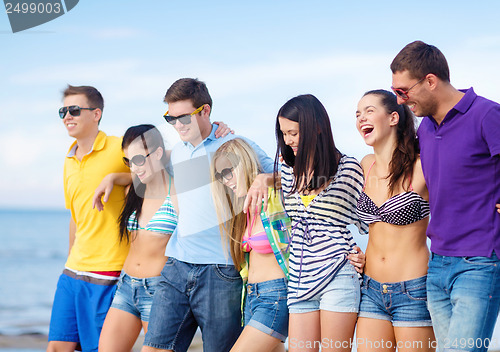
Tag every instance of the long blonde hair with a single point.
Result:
(229, 208)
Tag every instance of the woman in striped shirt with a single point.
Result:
(321, 188)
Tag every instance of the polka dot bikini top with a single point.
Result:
(402, 209)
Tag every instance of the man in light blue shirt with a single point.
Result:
(200, 286)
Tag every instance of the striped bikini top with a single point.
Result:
(402, 209)
(163, 222)
(258, 241)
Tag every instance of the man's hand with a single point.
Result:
(223, 129)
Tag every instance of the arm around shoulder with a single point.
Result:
(104, 189)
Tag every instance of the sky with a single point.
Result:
(253, 56)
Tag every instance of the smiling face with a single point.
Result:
(152, 163)
(290, 130)
(373, 121)
(85, 125)
(199, 128)
(236, 181)
(420, 101)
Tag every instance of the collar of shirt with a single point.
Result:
(211, 137)
(99, 142)
(461, 107)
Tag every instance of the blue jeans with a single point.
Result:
(192, 295)
(463, 296)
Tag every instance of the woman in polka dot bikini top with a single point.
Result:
(394, 203)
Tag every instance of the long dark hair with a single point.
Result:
(407, 148)
(316, 150)
(151, 139)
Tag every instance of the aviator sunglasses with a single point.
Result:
(403, 94)
(137, 160)
(74, 110)
(184, 119)
(226, 173)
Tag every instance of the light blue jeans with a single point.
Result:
(463, 295)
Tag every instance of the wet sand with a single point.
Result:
(38, 342)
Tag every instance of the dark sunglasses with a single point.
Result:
(184, 119)
(74, 110)
(137, 160)
(403, 94)
(224, 174)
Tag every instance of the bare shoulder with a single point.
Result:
(418, 180)
(366, 162)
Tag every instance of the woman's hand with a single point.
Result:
(102, 192)
(358, 259)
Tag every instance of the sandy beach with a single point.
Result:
(38, 342)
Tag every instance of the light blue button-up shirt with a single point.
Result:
(197, 238)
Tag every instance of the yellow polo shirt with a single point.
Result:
(97, 246)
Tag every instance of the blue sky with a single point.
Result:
(253, 56)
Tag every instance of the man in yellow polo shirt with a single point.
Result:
(87, 285)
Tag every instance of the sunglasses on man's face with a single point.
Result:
(74, 110)
(137, 160)
(184, 119)
(226, 173)
(403, 93)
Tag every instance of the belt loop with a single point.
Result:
(403, 287)
(367, 281)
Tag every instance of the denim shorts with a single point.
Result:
(266, 309)
(135, 295)
(79, 309)
(404, 303)
(340, 295)
(191, 296)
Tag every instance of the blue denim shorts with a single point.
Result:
(402, 303)
(340, 295)
(191, 295)
(135, 295)
(266, 309)
(79, 309)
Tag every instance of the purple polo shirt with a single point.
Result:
(461, 164)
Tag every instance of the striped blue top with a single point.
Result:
(320, 238)
(164, 221)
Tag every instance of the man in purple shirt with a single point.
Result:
(460, 146)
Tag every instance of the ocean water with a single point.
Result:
(33, 250)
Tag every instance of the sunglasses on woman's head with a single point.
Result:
(74, 110)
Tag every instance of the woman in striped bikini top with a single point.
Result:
(394, 202)
(147, 220)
